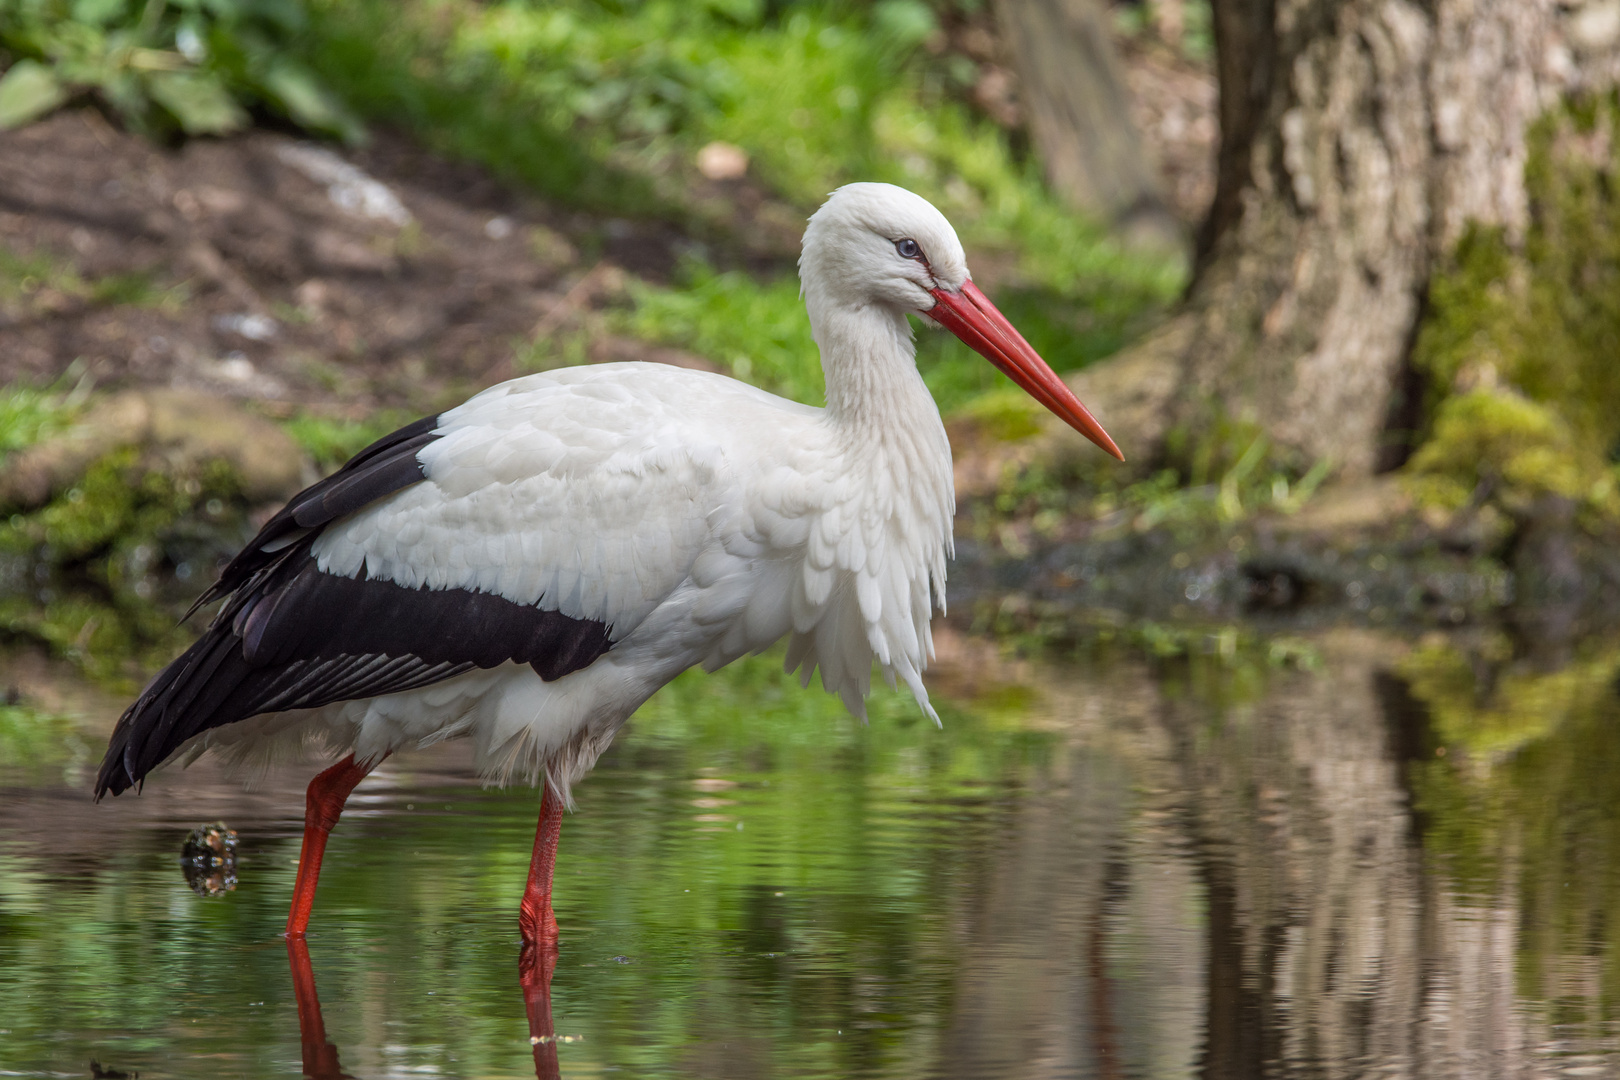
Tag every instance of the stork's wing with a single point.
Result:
(537, 524)
(588, 492)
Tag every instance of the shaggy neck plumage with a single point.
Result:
(885, 418)
(874, 391)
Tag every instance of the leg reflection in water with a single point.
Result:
(320, 1056)
(535, 965)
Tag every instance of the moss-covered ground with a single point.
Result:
(99, 573)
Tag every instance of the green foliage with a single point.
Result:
(593, 102)
(758, 331)
(1518, 797)
(1499, 444)
(192, 65)
(1520, 342)
(35, 739)
(98, 557)
(29, 413)
(401, 61)
(1007, 415)
(635, 74)
(330, 442)
(1253, 484)
(856, 110)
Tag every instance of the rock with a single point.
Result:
(183, 430)
(722, 161)
(1596, 27)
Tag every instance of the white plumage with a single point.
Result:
(700, 518)
(686, 516)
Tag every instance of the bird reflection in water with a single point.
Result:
(535, 966)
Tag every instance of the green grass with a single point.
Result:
(406, 64)
(603, 105)
(758, 331)
(38, 282)
(31, 413)
(35, 740)
(330, 442)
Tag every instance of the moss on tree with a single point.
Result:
(1521, 344)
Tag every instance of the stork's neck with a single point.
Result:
(874, 392)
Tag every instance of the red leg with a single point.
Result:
(535, 965)
(320, 1056)
(322, 805)
(535, 919)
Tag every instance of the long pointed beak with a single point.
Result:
(972, 317)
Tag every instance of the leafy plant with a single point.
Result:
(30, 413)
(597, 103)
(758, 331)
(627, 78)
(330, 442)
(195, 65)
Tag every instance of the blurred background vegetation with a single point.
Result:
(604, 106)
(614, 110)
(651, 165)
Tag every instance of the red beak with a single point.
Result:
(972, 317)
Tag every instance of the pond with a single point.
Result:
(1382, 857)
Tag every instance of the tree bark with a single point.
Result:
(1359, 139)
(1079, 113)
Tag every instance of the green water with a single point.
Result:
(1109, 869)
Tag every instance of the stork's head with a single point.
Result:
(877, 244)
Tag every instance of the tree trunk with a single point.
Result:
(1079, 113)
(1359, 139)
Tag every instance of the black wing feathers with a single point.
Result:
(386, 466)
(293, 637)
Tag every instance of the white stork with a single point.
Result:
(527, 568)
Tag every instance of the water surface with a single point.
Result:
(1393, 859)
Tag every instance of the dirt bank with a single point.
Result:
(271, 269)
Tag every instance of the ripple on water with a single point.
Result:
(1250, 878)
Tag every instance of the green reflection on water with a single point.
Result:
(1137, 862)
(1522, 797)
(753, 879)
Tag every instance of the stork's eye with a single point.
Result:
(908, 249)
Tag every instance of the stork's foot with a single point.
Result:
(538, 925)
(535, 919)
